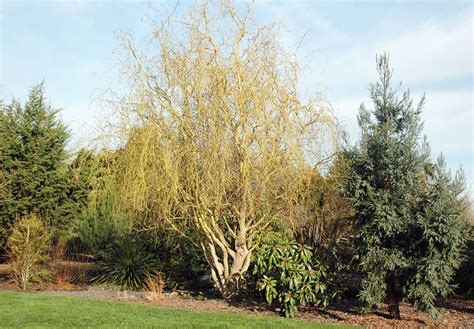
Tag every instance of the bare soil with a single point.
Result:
(455, 313)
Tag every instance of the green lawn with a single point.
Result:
(19, 309)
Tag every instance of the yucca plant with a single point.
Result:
(125, 264)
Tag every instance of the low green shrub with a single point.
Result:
(42, 276)
(102, 222)
(287, 272)
(180, 260)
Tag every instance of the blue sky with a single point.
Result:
(71, 45)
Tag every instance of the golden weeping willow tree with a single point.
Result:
(217, 138)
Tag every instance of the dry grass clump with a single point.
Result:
(155, 284)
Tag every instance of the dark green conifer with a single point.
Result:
(33, 155)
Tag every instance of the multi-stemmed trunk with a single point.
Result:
(228, 262)
(230, 282)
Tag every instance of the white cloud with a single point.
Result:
(448, 119)
(433, 51)
(426, 53)
(299, 21)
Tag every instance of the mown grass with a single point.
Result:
(36, 310)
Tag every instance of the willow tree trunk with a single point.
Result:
(235, 280)
(227, 268)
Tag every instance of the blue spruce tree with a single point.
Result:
(410, 229)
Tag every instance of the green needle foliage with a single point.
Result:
(32, 155)
(408, 212)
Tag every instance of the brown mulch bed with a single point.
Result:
(455, 313)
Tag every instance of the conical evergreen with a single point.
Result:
(409, 217)
(33, 152)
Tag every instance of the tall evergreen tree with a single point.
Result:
(32, 161)
(9, 146)
(408, 213)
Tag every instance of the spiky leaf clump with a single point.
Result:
(125, 264)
